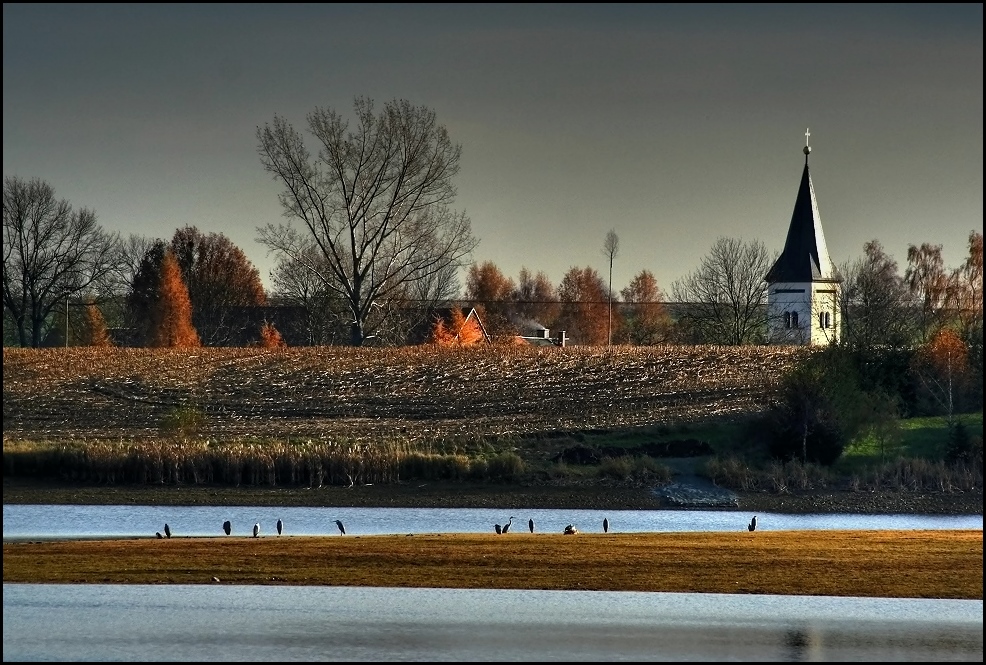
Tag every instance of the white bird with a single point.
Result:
(256, 530)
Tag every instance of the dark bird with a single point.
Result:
(256, 530)
(280, 527)
(498, 528)
(227, 527)
(570, 530)
(752, 526)
(158, 534)
(167, 531)
(605, 525)
(342, 529)
(530, 525)
(506, 526)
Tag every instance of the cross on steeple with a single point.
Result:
(807, 134)
(807, 147)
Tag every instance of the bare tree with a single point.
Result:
(724, 300)
(374, 200)
(611, 247)
(875, 302)
(50, 254)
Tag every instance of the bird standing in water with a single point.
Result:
(167, 531)
(605, 525)
(506, 526)
(342, 529)
(752, 526)
(227, 527)
(256, 530)
(530, 525)
(280, 526)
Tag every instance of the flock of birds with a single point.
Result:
(500, 529)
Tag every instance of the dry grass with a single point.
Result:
(891, 564)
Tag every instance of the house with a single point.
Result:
(533, 333)
(803, 284)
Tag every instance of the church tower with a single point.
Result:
(803, 285)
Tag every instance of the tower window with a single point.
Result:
(787, 319)
(794, 319)
(828, 321)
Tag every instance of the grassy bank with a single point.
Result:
(890, 564)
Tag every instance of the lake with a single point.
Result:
(90, 521)
(250, 623)
(270, 623)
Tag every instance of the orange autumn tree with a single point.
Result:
(95, 332)
(171, 313)
(458, 331)
(942, 368)
(270, 337)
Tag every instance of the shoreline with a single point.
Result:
(481, 495)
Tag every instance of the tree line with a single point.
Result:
(372, 246)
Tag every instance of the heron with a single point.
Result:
(530, 525)
(498, 528)
(280, 527)
(605, 525)
(227, 527)
(167, 531)
(256, 530)
(752, 526)
(507, 525)
(342, 529)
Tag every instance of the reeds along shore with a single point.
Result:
(891, 564)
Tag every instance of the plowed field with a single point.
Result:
(413, 393)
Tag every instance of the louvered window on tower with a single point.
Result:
(794, 319)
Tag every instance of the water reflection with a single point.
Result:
(195, 623)
(70, 521)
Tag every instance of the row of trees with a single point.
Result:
(371, 244)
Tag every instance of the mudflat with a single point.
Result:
(890, 564)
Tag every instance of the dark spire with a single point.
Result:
(805, 257)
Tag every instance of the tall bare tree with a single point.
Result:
(611, 247)
(375, 200)
(928, 282)
(51, 253)
(724, 300)
(875, 302)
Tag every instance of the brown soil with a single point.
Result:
(414, 394)
(891, 564)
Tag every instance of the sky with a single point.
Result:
(673, 125)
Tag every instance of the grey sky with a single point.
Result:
(671, 124)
